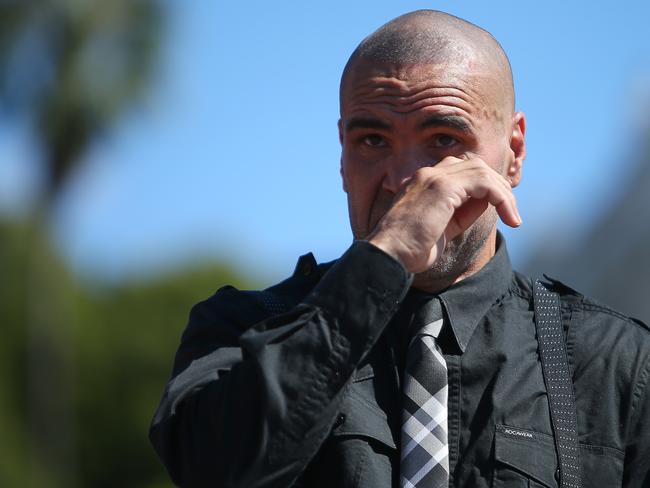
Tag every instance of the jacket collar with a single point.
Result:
(467, 301)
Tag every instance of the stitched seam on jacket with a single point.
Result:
(310, 400)
(641, 387)
(360, 468)
(599, 450)
(608, 311)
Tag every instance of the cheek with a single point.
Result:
(502, 161)
(495, 155)
(360, 192)
(363, 187)
(359, 177)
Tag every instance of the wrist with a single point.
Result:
(391, 248)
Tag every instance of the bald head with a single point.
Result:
(435, 38)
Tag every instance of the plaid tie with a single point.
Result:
(425, 451)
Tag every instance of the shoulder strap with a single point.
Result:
(559, 386)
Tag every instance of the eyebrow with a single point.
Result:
(365, 123)
(450, 121)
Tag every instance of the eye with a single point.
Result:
(373, 140)
(443, 140)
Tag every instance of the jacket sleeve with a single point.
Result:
(637, 453)
(250, 409)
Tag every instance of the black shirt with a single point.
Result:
(300, 384)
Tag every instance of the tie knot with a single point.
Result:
(428, 319)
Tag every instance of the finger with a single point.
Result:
(511, 204)
(486, 184)
(449, 161)
(507, 186)
(465, 216)
(473, 179)
(510, 198)
(472, 165)
(508, 216)
(513, 200)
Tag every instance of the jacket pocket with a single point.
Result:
(359, 417)
(523, 459)
(601, 466)
(361, 445)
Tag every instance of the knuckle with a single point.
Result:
(484, 169)
(483, 172)
(418, 174)
(426, 176)
(423, 172)
(450, 159)
(439, 181)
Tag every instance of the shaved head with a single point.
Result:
(424, 87)
(430, 37)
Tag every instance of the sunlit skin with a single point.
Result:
(430, 154)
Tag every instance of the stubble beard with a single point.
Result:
(460, 254)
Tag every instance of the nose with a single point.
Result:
(398, 171)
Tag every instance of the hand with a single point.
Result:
(437, 204)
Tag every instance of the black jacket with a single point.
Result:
(299, 385)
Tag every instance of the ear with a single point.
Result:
(345, 186)
(517, 148)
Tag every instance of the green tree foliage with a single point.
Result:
(13, 448)
(69, 68)
(122, 342)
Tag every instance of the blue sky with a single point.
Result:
(234, 153)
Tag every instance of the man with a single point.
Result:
(315, 382)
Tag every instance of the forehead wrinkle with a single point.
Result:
(410, 99)
(413, 93)
(476, 88)
(407, 97)
(453, 109)
(390, 104)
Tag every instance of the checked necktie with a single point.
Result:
(425, 450)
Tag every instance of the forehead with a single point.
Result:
(405, 88)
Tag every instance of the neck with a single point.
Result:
(430, 283)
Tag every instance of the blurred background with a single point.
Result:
(153, 151)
